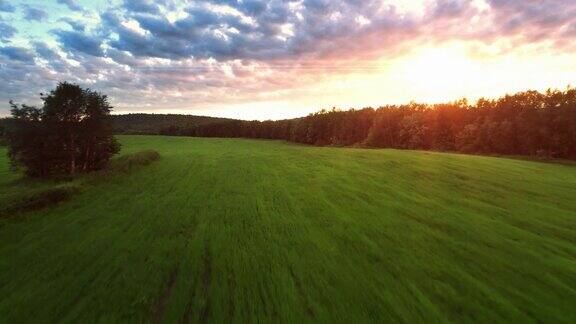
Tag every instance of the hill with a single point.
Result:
(151, 124)
(232, 230)
(157, 123)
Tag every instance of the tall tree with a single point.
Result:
(71, 133)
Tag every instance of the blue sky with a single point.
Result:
(55, 12)
(256, 59)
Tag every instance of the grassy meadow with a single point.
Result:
(231, 230)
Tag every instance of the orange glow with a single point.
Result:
(429, 74)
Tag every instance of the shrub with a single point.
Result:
(61, 193)
(128, 162)
(123, 165)
(40, 200)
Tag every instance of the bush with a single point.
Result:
(40, 200)
(61, 193)
(123, 165)
(128, 162)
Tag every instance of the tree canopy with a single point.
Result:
(71, 133)
(526, 123)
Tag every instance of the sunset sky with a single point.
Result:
(256, 59)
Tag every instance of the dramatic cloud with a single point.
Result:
(251, 30)
(190, 55)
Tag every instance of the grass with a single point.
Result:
(24, 195)
(41, 199)
(224, 230)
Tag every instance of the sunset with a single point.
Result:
(284, 59)
(288, 161)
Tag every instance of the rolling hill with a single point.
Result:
(150, 124)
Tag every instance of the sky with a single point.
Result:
(252, 59)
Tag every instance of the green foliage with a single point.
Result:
(528, 123)
(39, 200)
(124, 164)
(244, 231)
(69, 134)
(128, 162)
(141, 124)
(24, 195)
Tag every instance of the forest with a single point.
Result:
(150, 124)
(527, 123)
(530, 123)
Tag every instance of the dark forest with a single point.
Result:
(526, 123)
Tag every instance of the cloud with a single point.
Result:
(141, 6)
(71, 4)
(273, 30)
(6, 31)
(571, 30)
(76, 25)
(533, 18)
(45, 51)
(247, 30)
(34, 14)
(5, 6)
(177, 53)
(74, 41)
(17, 53)
(450, 8)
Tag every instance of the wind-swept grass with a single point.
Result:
(223, 230)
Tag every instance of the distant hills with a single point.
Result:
(154, 123)
(151, 124)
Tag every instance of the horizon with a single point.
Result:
(185, 113)
(255, 60)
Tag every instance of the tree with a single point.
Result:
(3, 122)
(413, 133)
(526, 123)
(71, 133)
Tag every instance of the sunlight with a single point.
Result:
(441, 72)
(453, 71)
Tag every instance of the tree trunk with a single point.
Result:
(87, 158)
(72, 155)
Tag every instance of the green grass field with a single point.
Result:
(224, 230)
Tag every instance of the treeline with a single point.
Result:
(135, 124)
(527, 123)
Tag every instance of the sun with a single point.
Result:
(441, 72)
